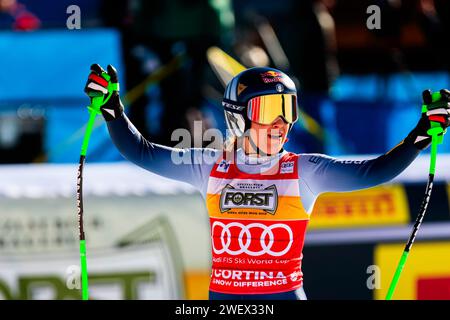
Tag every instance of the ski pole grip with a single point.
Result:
(436, 132)
(96, 104)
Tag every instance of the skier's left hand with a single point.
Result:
(437, 111)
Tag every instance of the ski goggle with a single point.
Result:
(265, 109)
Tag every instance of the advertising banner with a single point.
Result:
(134, 272)
(383, 205)
(426, 275)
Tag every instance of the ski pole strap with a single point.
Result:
(111, 88)
(94, 109)
(435, 102)
(436, 131)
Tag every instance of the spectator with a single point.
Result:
(434, 20)
(14, 15)
(305, 30)
(307, 34)
(163, 29)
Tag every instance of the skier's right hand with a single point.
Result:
(105, 84)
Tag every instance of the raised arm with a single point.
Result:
(322, 173)
(188, 165)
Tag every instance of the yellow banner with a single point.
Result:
(383, 205)
(425, 276)
(196, 283)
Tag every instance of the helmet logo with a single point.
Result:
(271, 76)
(231, 107)
(279, 87)
(241, 87)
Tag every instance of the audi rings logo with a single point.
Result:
(248, 236)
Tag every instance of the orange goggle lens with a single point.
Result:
(265, 109)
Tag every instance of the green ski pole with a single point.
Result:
(437, 134)
(94, 110)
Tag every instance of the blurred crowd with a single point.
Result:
(312, 40)
(14, 15)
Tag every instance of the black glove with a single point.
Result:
(99, 85)
(437, 111)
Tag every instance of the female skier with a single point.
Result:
(259, 196)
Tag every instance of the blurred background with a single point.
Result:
(359, 93)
